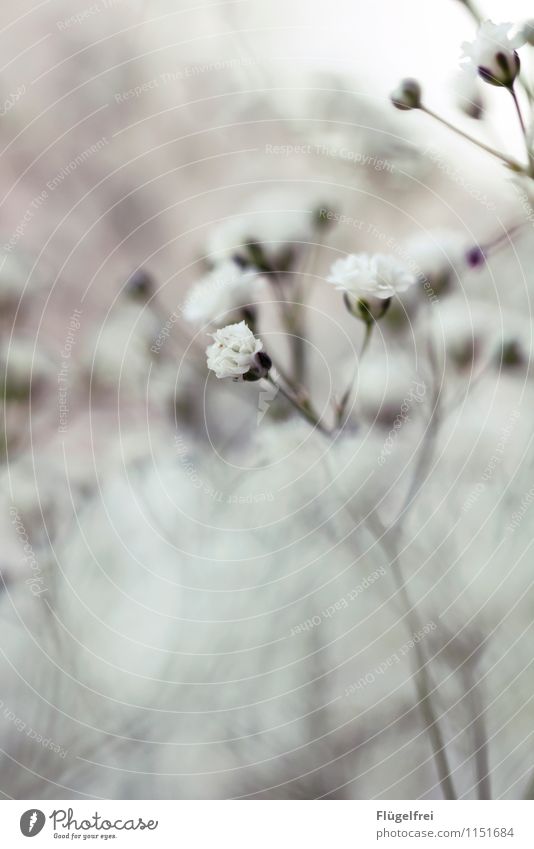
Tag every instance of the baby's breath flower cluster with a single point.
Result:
(493, 56)
(237, 353)
(369, 282)
(228, 288)
(249, 251)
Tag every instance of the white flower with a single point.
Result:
(228, 287)
(493, 53)
(234, 351)
(370, 276)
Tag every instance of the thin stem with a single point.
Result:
(295, 327)
(473, 9)
(423, 684)
(510, 162)
(523, 129)
(340, 419)
(303, 408)
(369, 327)
(298, 391)
(480, 742)
(290, 314)
(425, 451)
(518, 109)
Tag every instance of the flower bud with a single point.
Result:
(407, 95)
(367, 309)
(259, 368)
(140, 286)
(510, 355)
(493, 53)
(475, 257)
(508, 68)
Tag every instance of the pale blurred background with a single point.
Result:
(130, 132)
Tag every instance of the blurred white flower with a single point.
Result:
(436, 254)
(234, 351)
(119, 355)
(387, 389)
(468, 94)
(271, 234)
(23, 367)
(228, 287)
(465, 332)
(493, 54)
(365, 275)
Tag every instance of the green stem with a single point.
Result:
(515, 166)
(369, 327)
(473, 9)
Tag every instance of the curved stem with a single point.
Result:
(523, 129)
(340, 418)
(423, 684)
(515, 166)
(423, 687)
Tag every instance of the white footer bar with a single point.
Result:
(269, 824)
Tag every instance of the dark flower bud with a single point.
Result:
(407, 95)
(260, 368)
(140, 286)
(475, 257)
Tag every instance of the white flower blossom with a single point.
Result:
(370, 276)
(228, 287)
(234, 351)
(493, 54)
